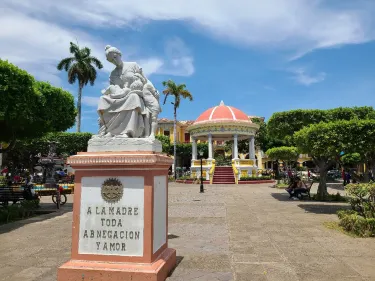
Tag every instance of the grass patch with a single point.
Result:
(335, 226)
(281, 185)
(330, 198)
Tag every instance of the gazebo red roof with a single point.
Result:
(222, 112)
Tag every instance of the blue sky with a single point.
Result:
(259, 56)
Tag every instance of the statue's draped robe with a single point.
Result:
(122, 114)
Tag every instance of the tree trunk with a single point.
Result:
(322, 188)
(366, 177)
(79, 108)
(175, 141)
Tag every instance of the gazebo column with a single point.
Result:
(252, 148)
(194, 148)
(210, 146)
(235, 146)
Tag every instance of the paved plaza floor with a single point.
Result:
(247, 232)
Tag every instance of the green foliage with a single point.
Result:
(19, 103)
(362, 198)
(30, 109)
(301, 169)
(2, 180)
(284, 153)
(351, 159)
(183, 150)
(330, 139)
(18, 211)
(262, 139)
(57, 107)
(255, 178)
(221, 160)
(354, 223)
(329, 198)
(178, 91)
(282, 125)
(361, 219)
(68, 144)
(166, 143)
(81, 67)
(281, 185)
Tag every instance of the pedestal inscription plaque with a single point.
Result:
(113, 227)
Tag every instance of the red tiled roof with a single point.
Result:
(223, 112)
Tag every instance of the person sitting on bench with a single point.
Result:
(295, 188)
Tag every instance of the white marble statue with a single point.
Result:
(129, 107)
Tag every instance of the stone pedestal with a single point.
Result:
(120, 218)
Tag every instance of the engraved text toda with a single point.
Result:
(112, 228)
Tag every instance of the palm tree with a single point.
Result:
(177, 91)
(80, 67)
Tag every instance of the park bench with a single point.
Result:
(9, 194)
(307, 192)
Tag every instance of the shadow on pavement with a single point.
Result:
(323, 208)
(281, 196)
(178, 261)
(45, 212)
(172, 236)
(336, 186)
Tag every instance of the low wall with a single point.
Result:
(191, 182)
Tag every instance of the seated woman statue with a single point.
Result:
(121, 107)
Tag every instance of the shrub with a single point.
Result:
(352, 222)
(361, 219)
(330, 198)
(300, 169)
(2, 180)
(362, 198)
(22, 210)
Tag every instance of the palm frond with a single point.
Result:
(86, 52)
(73, 74)
(186, 95)
(166, 96)
(65, 63)
(73, 49)
(95, 61)
(92, 74)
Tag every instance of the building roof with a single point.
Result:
(180, 123)
(222, 112)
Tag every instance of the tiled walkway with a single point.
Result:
(250, 232)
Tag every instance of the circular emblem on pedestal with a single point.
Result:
(112, 190)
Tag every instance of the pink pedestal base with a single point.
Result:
(75, 270)
(156, 260)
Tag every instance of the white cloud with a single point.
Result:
(36, 43)
(90, 101)
(151, 65)
(178, 60)
(306, 79)
(299, 26)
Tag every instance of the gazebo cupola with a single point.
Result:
(223, 123)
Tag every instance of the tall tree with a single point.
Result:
(285, 153)
(29, 108)
(301, 128)
(325, 142)
(80, 67)
(178, 92)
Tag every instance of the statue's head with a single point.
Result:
(113, 55)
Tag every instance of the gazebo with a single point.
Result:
(218, 124)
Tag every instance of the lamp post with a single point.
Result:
(201, 187)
